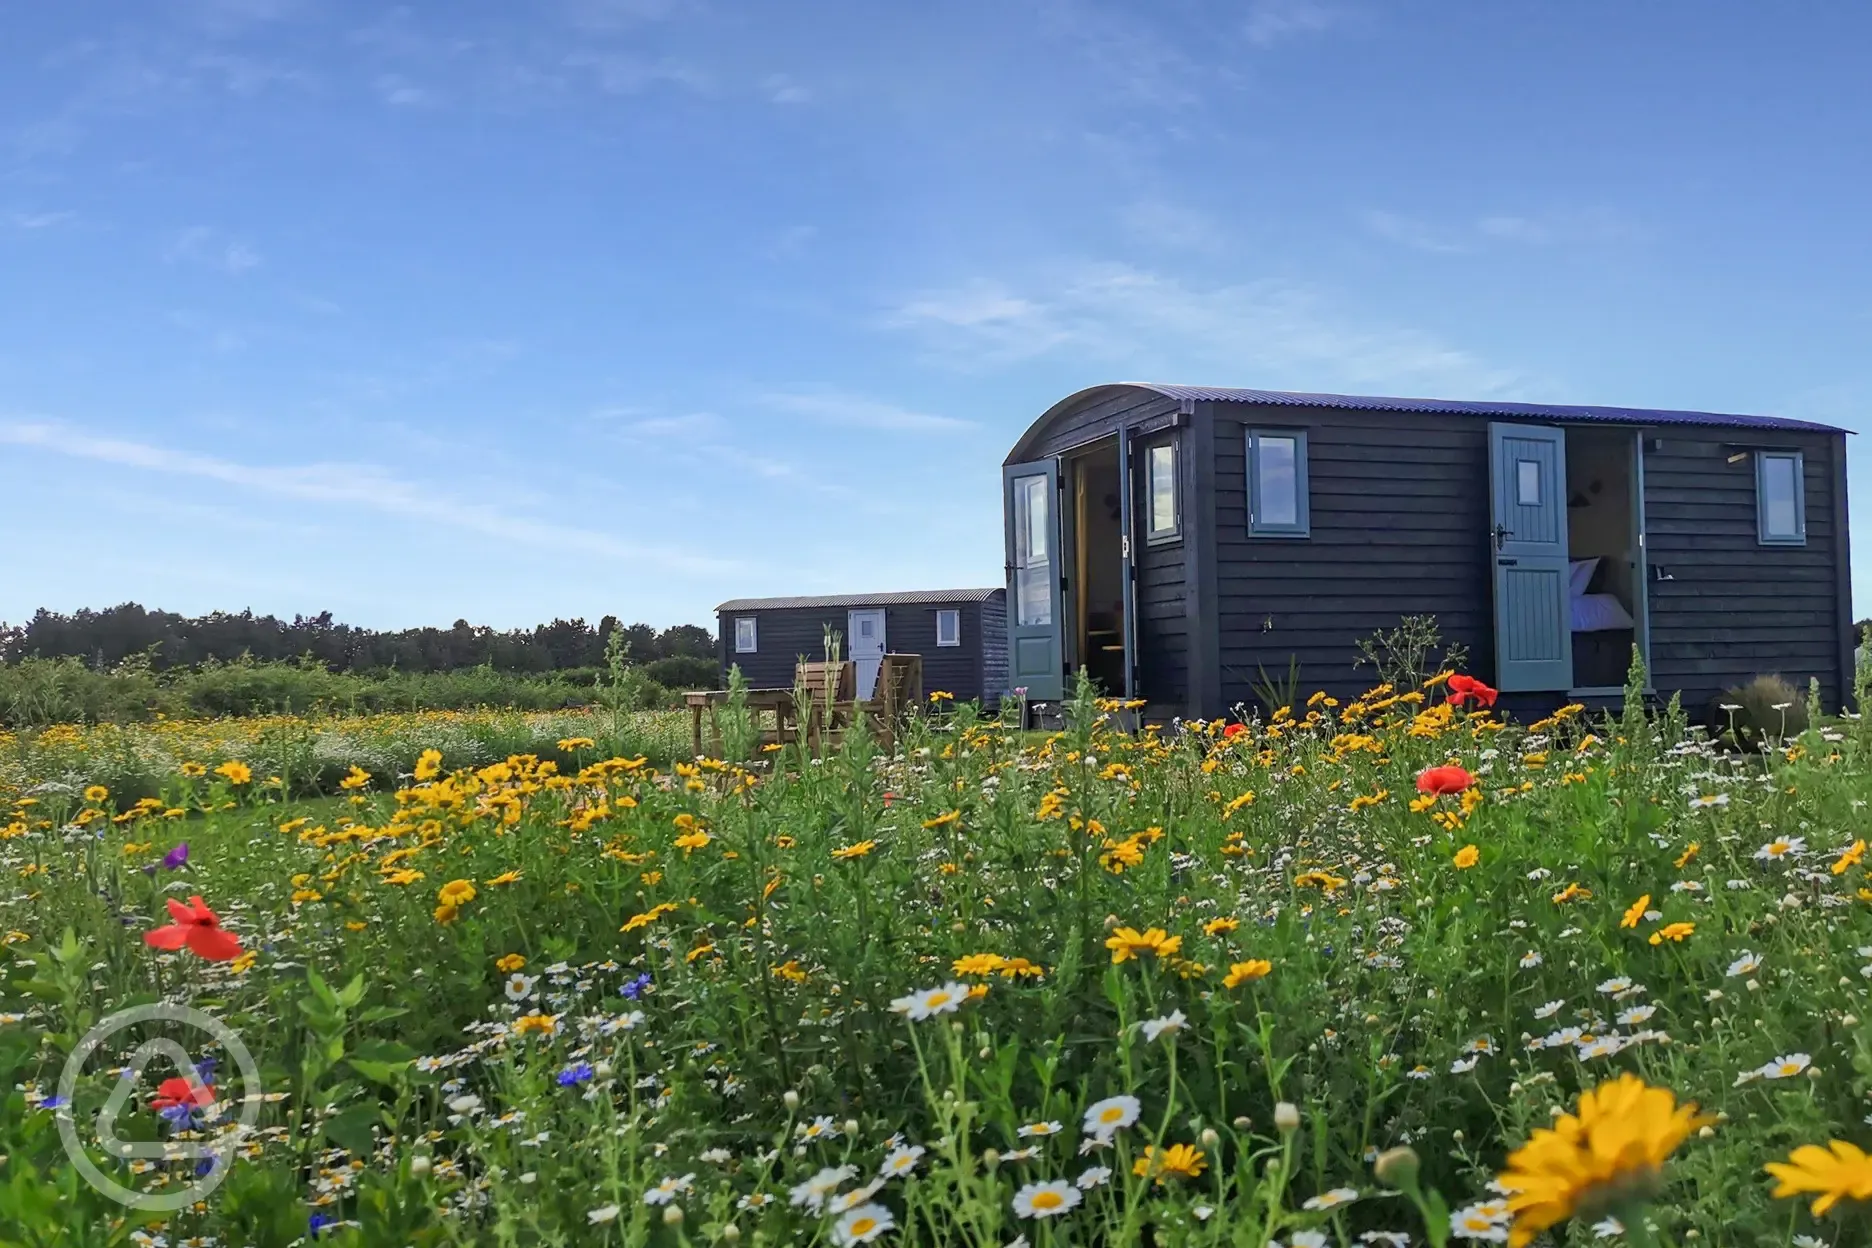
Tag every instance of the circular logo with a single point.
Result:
(211, 1155)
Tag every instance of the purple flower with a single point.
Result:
(176, 858)
(573, 1075)
(635, 988)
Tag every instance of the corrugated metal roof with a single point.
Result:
(905, 598)
(1548, 411)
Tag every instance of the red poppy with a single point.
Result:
(173, 1093)
(1233, 731)
(1462, 688)
(197, 927)
(1446, 779)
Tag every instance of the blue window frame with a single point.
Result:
(1780, 498)
(1277, 483)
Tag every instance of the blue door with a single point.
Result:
(1528, 516)
(1036, 624)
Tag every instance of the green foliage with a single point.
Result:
(1764, 712)
(1406, 656)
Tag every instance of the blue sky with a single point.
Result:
(579, 307)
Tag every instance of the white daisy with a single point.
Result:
(519, 987)
(1781, 847)
(604, 1213)
(1103, 1118)
(814, 1192)
(1786, 1066)
(669, 1189)
(1550, 1009)
(1040, 1128)
(1331, 1200)
(1094, 1176)
(1171, 1022)
(1045, 1200)
(902, 1160)
(1747, 964)
(944, 999)
(862, 1225)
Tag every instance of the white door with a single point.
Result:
(866, 630)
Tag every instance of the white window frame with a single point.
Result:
(1174, 530)
(954, 617)
(1798, 461)
(750, 644)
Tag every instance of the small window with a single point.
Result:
(744, 637)
(1527, 482)
(1780, 498)
(949, 627)
(1160, 487)
(1277, 484)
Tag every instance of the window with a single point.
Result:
(1780, 498)
(744, 634)
(1527, 482)
(1277, 484)
(1033, 589)
(949, 627)
(1160, 487)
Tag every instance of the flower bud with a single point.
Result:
(1456, 1135)
(731, 1234)
(1397, 1167)
(420, 1164)
(1286, 1118)
(1209, 1137)
(1242, 1122)
(672, 1215)
(850, 1127)
(991, 1157)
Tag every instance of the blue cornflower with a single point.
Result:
(635, 987)
(318, 1222)
(575, 1074)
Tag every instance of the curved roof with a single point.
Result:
(904, 598)
(1597, 413)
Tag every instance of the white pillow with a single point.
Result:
(1580, 574)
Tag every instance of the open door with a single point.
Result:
(1036, 624)
(1127, 567)
(1527, 507)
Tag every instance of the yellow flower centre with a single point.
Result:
(1048, 1200)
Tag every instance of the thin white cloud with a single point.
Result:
(1262, 332)
(782, 89)
(201, 245)
(1549, 229)
(687, 427)
(399, 92)
(612, 15)
(625, 73)
(833, 407)
(1410, 232)
(1271, 21)
(353, 487)
(36, 220)
(1166, 224)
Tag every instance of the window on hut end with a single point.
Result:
(744, 636)
(1780, 498)
(949, 627)
(1277, 483)
(1160, 486)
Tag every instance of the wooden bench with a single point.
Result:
(821, 705)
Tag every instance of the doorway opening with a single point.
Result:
(1605, 549)
(1096, 599)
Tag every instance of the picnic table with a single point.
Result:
(760, 702)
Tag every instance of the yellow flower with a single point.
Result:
(854, 851)
(943, 820)
(1467, 857)
(193, 771)
(1636, 912)
(1240, 973)
(446, 914)
(456, 893)
(979, 964)
(1690, 852)
(301, 895)
(1127, 943)
(1181, 1160)
(705, 947)
(1606, 1156)
(95, 794)
(1218, 927)
(235, 772)
(1362, 801)
(1850, 859)
(545, 1024)
(356, 778)
(569, 744)
(689, 842)
(428, 765)
(1324, 880)
(509, 963)
(1843, 1172)
(1572, 892)
(1678, 932)
(938, 695)
(790, 971)
(648, 917)
(505, 877)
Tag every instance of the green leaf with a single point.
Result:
(353, 992)
(387, 1073)
(382, 1013)
(351, 1130)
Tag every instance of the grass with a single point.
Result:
(856, 997)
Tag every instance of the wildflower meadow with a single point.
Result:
(1388, 971)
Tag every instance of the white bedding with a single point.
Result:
(1593, 613)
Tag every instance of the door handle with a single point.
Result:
(1502, 533)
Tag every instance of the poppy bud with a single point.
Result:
(790, 1099)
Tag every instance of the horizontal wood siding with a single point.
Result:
(1163, 625)
(1399, 509)
(1733, 608)
(1099, 419)
(994, 653)
(785, 636)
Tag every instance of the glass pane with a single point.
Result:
(1277, 494)
(1527, 482)
(744, 635)
(1778, 507)
(948, 624)
(1032, 566)
(1163, 517)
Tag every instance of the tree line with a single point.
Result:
(104, 639)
